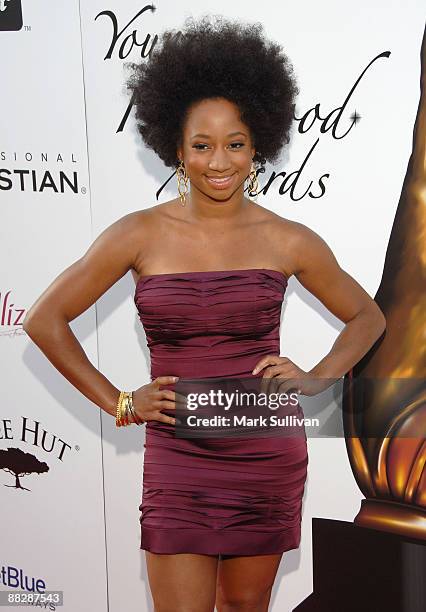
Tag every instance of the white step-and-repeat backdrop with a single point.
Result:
(71, 163)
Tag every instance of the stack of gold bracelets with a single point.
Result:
(126, 414)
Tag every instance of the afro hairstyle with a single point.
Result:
(212, 59)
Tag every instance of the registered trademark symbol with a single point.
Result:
(77, 448)
(83, 190)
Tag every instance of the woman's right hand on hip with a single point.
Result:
(149, 400)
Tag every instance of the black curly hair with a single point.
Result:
(211, 59)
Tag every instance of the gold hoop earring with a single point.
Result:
(182, 182)
(253, 185)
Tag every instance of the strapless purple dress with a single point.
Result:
(216, 496)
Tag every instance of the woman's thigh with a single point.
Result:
(182, 582)
(245, 583)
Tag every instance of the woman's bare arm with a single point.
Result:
(317, 269)
(309, 258)
(77, 288)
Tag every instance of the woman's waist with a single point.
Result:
(208, 364)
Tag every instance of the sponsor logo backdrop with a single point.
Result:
(51, 479)
(71, 163)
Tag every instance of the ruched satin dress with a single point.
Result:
(216, 496)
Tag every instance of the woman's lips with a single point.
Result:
(220, 182)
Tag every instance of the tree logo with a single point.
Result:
(20, 464)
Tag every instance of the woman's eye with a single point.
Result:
(233, 145)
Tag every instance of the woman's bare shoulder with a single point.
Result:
(157, 213)
(277, 223)
(149, 224)
(291, 240)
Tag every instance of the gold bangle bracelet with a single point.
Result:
(136, 418)
(122, 409)
(126, 414)
(126, 417)
(117, 417)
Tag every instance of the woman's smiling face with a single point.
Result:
(217, 148)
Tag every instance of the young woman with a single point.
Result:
(211, 266)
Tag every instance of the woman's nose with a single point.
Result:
(219, 161)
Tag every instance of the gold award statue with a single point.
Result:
(378, 561)
(384, 403)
